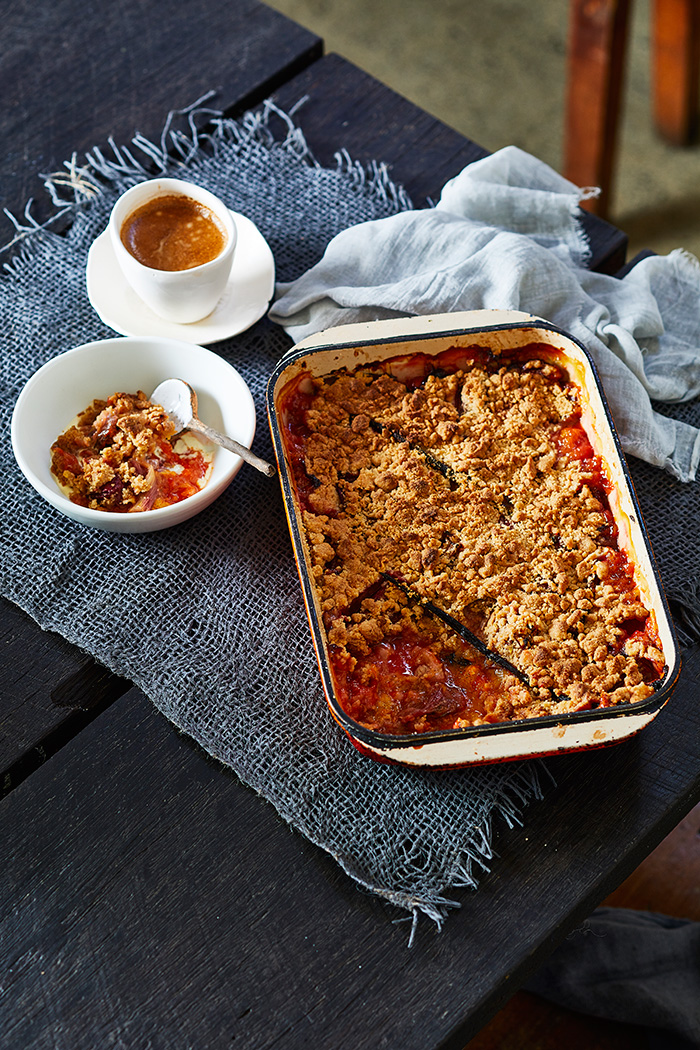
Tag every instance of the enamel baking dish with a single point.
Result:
(353, 345)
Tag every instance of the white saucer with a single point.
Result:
(245, 300)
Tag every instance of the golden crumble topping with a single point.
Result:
(462, 544)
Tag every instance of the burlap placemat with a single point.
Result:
(244, 682)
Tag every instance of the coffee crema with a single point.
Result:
(173, 232)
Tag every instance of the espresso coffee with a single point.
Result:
(173, 232)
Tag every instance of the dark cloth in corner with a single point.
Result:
(637, 967)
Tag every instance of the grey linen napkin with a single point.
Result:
(637, 967)
(506, 234)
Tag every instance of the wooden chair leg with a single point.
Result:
(595, 76)
(676, 69)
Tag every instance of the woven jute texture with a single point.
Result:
(235, 668)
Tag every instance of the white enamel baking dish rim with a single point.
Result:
(495, 742)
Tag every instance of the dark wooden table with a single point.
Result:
(148, 899)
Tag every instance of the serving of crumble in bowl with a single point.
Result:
(87, 438)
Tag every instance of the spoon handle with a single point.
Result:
(233, 446)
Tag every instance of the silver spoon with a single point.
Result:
(180, 403)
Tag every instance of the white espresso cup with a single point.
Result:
(178, 295)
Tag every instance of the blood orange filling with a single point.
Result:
(118, 456)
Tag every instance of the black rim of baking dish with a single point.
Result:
(387, 742)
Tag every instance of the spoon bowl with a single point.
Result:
(179, 400)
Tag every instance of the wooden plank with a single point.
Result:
(70, 78)
(668, 882)
(148, 896)
(50, 691)
(347, 108)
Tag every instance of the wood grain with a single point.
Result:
(528, 1022)
(668, 880)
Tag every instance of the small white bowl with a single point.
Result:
(67, 384)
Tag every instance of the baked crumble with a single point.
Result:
(455, 505)
(119, 456)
